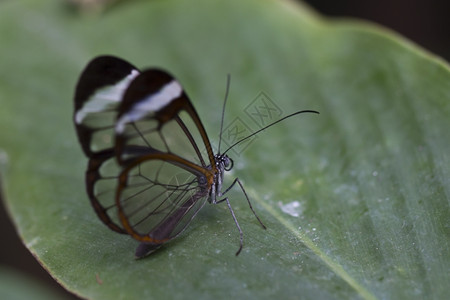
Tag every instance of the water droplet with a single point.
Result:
(293, 208)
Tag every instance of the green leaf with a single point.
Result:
(370, 175)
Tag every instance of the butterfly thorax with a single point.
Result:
(223, 163)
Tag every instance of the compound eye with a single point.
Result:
(228, 163)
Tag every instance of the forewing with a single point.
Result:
(98, 93)
(167, 158)
(156, 114)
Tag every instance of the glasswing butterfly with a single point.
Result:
(151, 165)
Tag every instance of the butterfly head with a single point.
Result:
(223, 162)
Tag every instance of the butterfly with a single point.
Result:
(151, 166)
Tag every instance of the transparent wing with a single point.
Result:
(158, 195)
(166, 155)
(150, 162)
(157, 114)
(98, 94)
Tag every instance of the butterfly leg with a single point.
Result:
(246, 197)
(241, 234)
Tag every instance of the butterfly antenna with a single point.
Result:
(271, 124)
(223, 110)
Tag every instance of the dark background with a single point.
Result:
(426, 22)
